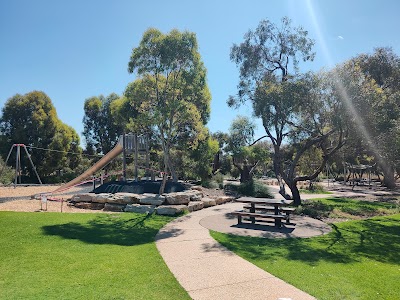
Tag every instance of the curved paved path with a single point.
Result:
(207, 270)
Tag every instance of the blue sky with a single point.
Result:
(73, 50)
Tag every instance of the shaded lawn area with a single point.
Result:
(83, 256)
(346, 208)
(357, 260)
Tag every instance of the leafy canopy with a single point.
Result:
(170, 94)
(32, 119)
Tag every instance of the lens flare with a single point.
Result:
(342, 90)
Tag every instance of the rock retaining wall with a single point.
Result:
(167, 204)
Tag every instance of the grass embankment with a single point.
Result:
(357, 260)
(83, 256)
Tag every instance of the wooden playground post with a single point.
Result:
(135, 137)
(124, 156)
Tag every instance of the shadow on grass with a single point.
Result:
(108, 229)
(377, 239)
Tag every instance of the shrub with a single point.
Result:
(314, 209)
(252, 189)
(210, 184)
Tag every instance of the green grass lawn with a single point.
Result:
(347, 208)
(357, 260)
(83, 256)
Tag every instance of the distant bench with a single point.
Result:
(255, 216)
(286, 210)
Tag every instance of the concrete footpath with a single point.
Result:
(207, 270)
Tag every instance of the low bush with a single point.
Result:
(210, 184)
(252, 189)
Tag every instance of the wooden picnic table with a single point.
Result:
(253, 202)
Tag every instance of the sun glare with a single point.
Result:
(339, 85)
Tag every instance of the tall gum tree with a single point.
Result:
(290, 105)
(371, 105)
(170, 92)
(101, 129)
(32, 119)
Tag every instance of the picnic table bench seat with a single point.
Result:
(254, 216)
(286, 210)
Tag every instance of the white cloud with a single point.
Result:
(340, 37)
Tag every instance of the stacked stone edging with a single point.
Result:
(166, 204)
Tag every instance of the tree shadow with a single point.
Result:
(108, 229)
(377, 239)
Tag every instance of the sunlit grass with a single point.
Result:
(83, 256)
(357, 260)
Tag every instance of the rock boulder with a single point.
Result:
(86, 197)
(208, 202)
(141, 209)
(170, 210)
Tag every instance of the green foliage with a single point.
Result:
(171, 94)
(315, 189)
(292, 107)
(215, 182)
(102, 128)
(346, 208)
(83, 256)
(252, 188)
(371, 82)
(357, 260)
(245, 157)
(6, 173)
(266, 50)
(31, 119)
(211, 184)
(219, 178)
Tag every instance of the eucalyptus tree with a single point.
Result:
(292, 107)
(170, 93)
(246, 155)
(101, 128)
(31, 119)
(371, 104)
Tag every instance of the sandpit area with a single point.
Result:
(19, 198)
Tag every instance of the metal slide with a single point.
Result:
(97, 166)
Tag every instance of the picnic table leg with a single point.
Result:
(287, 219)
(278, 222)
(253, 210)
(276, 209)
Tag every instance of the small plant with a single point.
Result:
(210, 184)
(314, 189)
(252, 188)
(6, 173)
(219, 178)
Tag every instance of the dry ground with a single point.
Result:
(19, 198)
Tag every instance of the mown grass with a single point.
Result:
(346, 208)
(315, 191)
(83, 256)
(357, 260)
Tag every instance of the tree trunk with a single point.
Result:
(295, 194)
(172, 170)
(216, 163)
(245, 174)
(388, 178)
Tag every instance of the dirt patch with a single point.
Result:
(19, 198)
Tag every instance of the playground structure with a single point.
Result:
(17, 177)
(354, 174)
(127, 144)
